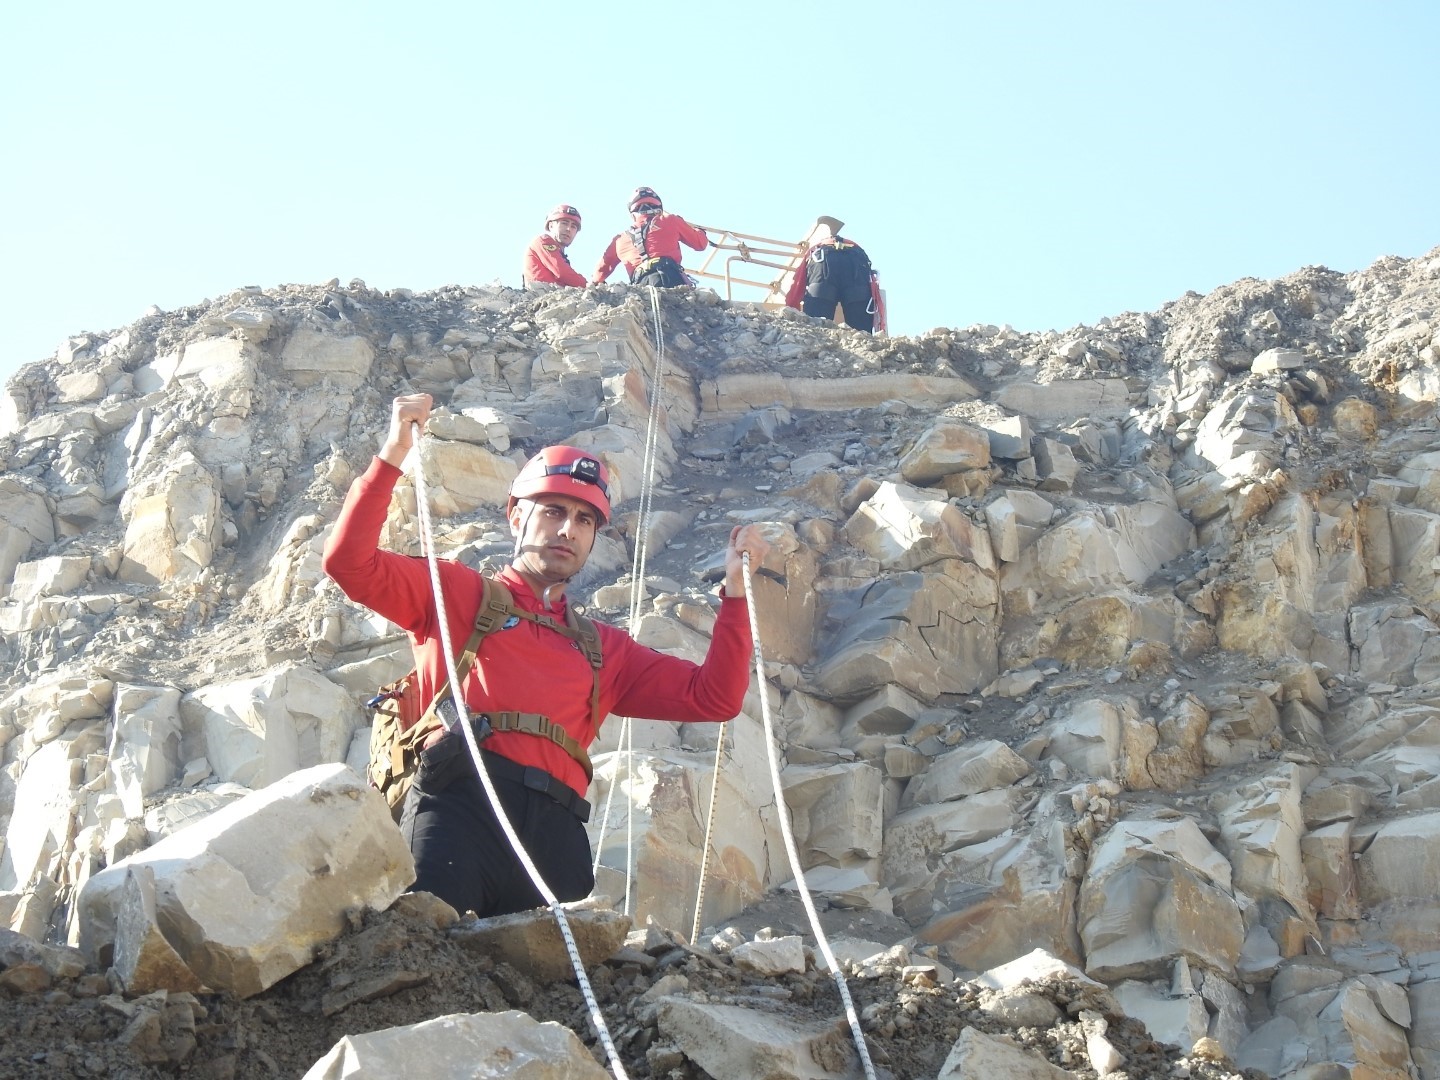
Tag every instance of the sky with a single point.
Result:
(1040, 164)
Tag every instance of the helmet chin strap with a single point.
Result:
(518, 555)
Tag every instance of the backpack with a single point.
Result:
(403, 723)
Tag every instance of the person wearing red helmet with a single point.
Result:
(650, 248)
(545, 259)
(558, 502)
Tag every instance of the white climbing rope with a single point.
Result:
(637, 596)
(709, 834)
(788, 834)
(427, 540)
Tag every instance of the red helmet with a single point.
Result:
(643, 198)
(564, 470)
(564, 212)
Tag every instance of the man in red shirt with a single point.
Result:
(545, 258)
(557, 503)
(650, 248)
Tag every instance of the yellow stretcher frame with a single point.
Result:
(781, 255)
(751, 250)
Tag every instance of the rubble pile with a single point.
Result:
(1115, 643)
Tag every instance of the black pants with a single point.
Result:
(461, 853)
(858, 315)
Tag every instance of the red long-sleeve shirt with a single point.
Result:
(528, 668)
(665, 234)
(546, 262)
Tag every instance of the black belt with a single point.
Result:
(537, 780)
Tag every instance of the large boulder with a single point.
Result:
(240, 899)
(462, 1046)
(1155, 891)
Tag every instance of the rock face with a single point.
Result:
(1119, 643)
(240, 899)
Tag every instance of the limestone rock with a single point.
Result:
(242, 897)
(776, 956)
(255, 731)
(173, 524)
(461, 1046)
(531, 940)
(994, 900)
(311, 355)
(28, 524)
(906, 530)
(1066, 398)
(1156, 891)
(927, 633)
(669, 794)
(947, 446)
(462, 477)
(967, 770)
(977, 1056)
(732, 1040)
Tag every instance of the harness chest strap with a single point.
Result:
(529, 723)
(494, 610)
(545, 728)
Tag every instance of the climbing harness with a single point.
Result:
(597, 1018)
(789, 836)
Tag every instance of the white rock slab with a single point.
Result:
(462, 1046)
(1156, 890)
(310, 356)
(967, 770)
(243, 896)
(254, 731)
(977, 1056)
(733, 1041)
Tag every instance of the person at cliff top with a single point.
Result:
(545, 258)
(650, 248)
(558, 502)
(836, 271)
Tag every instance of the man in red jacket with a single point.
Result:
(557, 503)
(650, 248)
(545, 258)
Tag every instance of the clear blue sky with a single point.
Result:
(1038, 164)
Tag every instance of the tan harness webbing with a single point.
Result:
(495, 609)
(545, 728)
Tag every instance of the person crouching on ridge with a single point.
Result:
(650, 248)
(545, 258)
(836, 272)
(558, 502)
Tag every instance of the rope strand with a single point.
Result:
(785, 831)
(709, 834)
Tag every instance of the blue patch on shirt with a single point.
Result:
(513, 620)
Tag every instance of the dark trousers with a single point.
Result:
(858, 315)
(461, 853)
